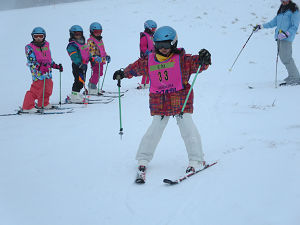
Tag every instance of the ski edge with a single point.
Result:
(173, 182)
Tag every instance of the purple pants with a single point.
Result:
(95, 74)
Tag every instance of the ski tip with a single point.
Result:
(139, 181)
(167, 181)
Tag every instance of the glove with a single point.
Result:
(58, 67)
(119, 75)
(97, 59)
(44, 69)
(107, 59)
(283, 35)
(83, 67)
(257, 27)
(204, 57)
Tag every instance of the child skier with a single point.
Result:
(79, 53)
(147, 46)
(40, 63)
(96, 48)
(169, 69)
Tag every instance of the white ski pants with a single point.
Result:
(188, 131)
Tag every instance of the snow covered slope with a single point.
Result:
(73, 169)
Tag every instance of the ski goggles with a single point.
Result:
(41, 36)
(153, 29)
(97, 32)
(78, 33)
(162, 44)
(284, 0)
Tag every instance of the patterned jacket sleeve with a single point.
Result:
(74, 54)
(31, 58)
(92, 48)
(191, 63)
(138, 68)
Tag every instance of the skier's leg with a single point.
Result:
(77, 85)
(31, 96)
(285, 54)
(48, 91)
(151, 139)
(191, 137)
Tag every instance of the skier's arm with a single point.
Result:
(74, 54)
(138, 68)
(295, 20)
(143, 45)
(192, 63)
(31, 58)
(272, 23)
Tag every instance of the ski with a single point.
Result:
(172, 182)
(55, 107)
(107, 100)
(89, 101)
(39, 112)
(114, 92)
(107, 95)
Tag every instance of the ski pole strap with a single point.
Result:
(188, 95)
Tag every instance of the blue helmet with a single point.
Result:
(75, 28)
(38, 30)
(165, 33)
(150, 24)
(95, 26)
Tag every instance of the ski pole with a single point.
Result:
(104, 76)
(278, 46)
(99, 80)
(43, 102)
(278, 43)
(188, 95)
(60, 88)
(120, 112)
(241, 51)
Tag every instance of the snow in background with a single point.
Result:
(74, 169)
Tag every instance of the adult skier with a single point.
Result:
(169, 69)
(286, 22)
(40, 63)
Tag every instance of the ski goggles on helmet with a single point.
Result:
(284, 0)
(162, 44)
(97, 32)
(41, 36)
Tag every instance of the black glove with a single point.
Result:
(118, 75)
(257, 28)
(204, 57)
(83, 67)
